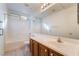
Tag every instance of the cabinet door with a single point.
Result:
(43, 51)
(54, 53)
(35, 48)
(31, 46)
(51, 53)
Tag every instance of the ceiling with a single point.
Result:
(33, 9)
(29, 9)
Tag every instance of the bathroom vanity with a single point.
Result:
(38, 49)
(43, 45)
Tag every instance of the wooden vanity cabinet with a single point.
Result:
(43, 51)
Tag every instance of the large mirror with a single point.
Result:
(62, 20)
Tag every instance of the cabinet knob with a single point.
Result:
(45, 50)
(51, 54)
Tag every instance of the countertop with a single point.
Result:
(65, 48)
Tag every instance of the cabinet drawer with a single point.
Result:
(43, 51)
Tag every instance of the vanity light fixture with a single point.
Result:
(41, 7)
(45, 5)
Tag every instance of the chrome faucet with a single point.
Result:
(59, 40)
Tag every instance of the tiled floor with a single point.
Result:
(25, 51)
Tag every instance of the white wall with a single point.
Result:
(63, 23)
(2, 11)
